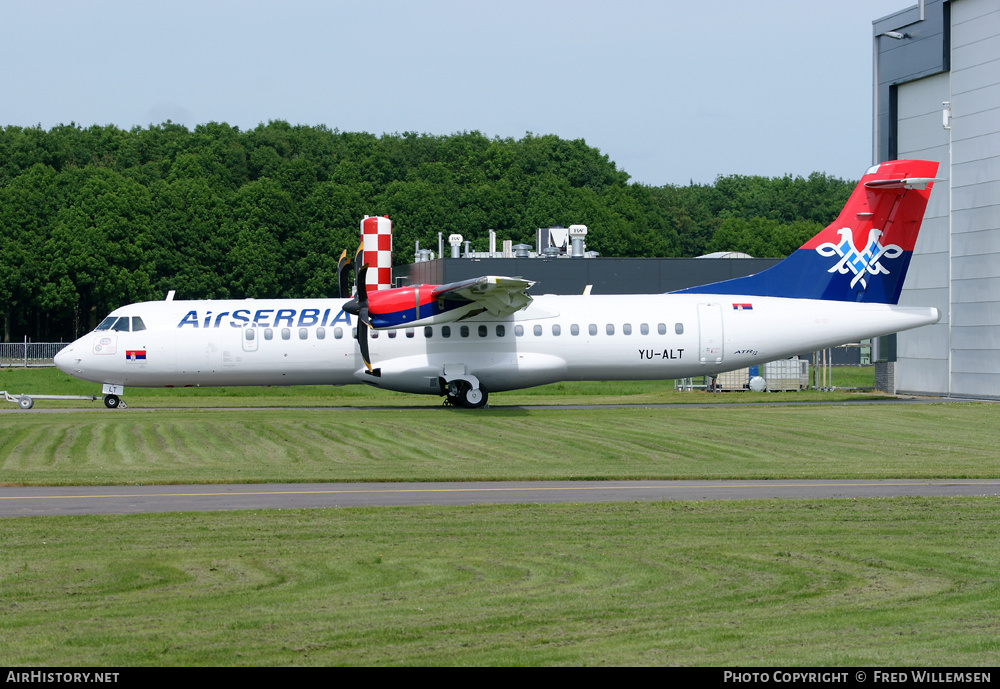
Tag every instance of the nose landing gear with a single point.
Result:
(111, 399)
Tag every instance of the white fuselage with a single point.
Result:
(310, 341)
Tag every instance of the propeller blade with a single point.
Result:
(358, 258)
(363, 326)
(363, 294)
(359, 307)
(343, 289)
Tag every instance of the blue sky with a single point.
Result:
(670, 91)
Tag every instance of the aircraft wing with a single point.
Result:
(406, 307)
(498, 295)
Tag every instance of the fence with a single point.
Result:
(29, 354)
(783, 374)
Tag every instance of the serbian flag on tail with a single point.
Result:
(742, 307)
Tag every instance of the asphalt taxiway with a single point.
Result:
(76, 500)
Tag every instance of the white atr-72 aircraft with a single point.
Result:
(468, 339)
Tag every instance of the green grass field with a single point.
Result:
(53, 382)
(956, 440)
(836, 582)
(758, 583)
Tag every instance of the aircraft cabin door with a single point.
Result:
(250, 337)
(710, 333)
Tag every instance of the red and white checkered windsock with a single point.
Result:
(376, 237)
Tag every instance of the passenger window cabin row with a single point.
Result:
(556, 329)
(445, 331)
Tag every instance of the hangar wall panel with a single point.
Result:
(925, 274)
(986, 316)
(979, 100)
(956, 263)
(980, 219)
(978, 170)
(975, 384)
(922, 354)
(975, 190)
(984, 146)
(976, 196)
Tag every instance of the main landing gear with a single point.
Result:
(462, 394)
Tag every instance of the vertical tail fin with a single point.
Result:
(863, 255)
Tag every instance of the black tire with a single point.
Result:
(474, 398)
(453, 391)
(25, 402)
(111, 401)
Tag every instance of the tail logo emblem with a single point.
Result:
(867, 261)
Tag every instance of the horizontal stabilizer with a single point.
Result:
(911, 183)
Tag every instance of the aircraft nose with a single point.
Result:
(64, 359)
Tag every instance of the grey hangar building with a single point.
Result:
(937, 97)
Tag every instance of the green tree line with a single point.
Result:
(93, 218)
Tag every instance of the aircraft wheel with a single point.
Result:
(474, 398)
(454, 394)
(111, 401)
(25, 402)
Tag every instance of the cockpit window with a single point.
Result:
(137, 324)
(106, 323)
(121, 325)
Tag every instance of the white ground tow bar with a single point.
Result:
(28, 401)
